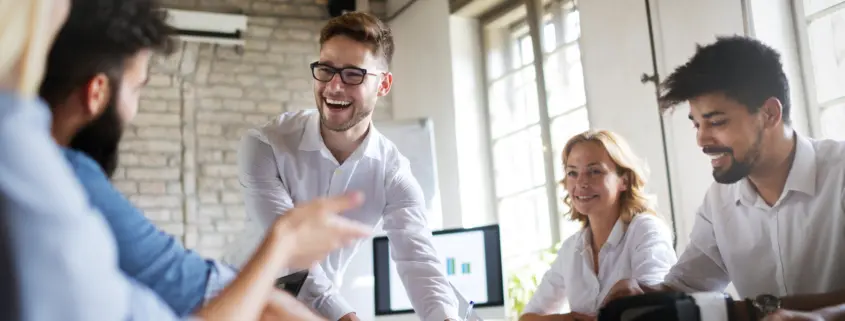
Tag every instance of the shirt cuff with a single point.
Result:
(334, 307)
(677, 284)
(219, 276)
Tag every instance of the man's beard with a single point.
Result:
(739, 169)
(100, 139)
(357, 116)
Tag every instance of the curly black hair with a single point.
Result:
(742, 68)
(99, 37)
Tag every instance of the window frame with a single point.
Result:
(538, 14)
(805, 56)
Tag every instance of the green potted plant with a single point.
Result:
(522, 282)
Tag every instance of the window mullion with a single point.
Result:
(804, 57)
(830, 103)
(534, 16)
(825, 12)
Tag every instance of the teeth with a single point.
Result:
(584, 197)
(716, 156)
(338, 102)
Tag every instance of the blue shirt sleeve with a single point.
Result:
(65, 258)
(182, 278)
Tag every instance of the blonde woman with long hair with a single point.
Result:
(621, 236)
(58, 259)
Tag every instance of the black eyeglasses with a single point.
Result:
(348, 75)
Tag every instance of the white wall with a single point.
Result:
(470, 110)
(423, 87)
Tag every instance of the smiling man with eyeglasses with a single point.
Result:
(307, 154)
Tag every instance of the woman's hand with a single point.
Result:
(575, 316)
(623, 288)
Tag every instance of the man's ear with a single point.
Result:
(95, 95)
(385, 84)
(772, 112)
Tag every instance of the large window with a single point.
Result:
(822, 33)
(527, 133)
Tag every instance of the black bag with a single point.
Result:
(668, 306)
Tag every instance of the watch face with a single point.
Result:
(768, 303)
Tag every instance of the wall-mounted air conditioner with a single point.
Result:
(209, 27)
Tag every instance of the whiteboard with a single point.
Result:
(415, 140)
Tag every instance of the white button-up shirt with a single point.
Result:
(796, 246)
(642, 250)
(286, 162)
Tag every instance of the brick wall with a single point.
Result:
(178, 158)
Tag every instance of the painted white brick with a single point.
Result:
(156, 201)
(152, 187)
(126, 187)
(208, 198)
(156, 119)
(152, 173)
(161, 215)
(159, 132)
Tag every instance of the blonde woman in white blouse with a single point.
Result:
(622, 237)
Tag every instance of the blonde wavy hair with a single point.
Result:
(634, 200)
(25, 39)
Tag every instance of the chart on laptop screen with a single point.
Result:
(463, 261)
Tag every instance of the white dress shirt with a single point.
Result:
(286, 162)
(642, 250)
(796, 246)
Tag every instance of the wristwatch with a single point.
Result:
(766, 304)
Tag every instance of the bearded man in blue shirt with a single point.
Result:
(95, 72)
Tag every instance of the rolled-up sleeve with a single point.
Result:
(700, 267)
(406, 226)
(219, 277)
(322, 295)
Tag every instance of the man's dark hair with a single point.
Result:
(100, 36)
(741, 68)
(362, 27)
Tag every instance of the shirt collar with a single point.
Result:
(81, 160)
(801, 177)
(613, 239)
(313, 141)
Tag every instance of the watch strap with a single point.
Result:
(752, 310)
